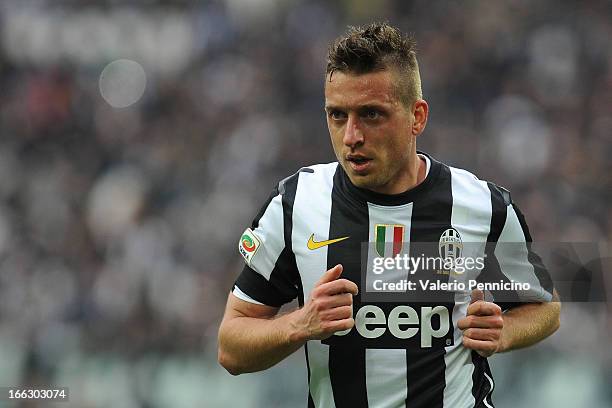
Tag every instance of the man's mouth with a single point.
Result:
(358, 163)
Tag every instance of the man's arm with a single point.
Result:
(252, 338)
(487, 330)
(528, 324)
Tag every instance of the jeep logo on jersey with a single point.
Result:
(450, 244)
(389, 239)
(403, 323)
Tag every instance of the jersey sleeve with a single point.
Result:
(511, 259)
(269, 276)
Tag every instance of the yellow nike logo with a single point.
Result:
(312, 244)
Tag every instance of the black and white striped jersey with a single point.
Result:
(394, 356)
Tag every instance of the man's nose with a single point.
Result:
(353, 136)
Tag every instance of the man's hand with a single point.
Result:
(482, 326)
(330, 307)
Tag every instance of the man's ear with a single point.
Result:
(420, 112)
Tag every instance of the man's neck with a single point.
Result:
(415, 176)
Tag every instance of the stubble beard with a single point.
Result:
(373, 181)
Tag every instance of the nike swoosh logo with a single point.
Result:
(312, 244)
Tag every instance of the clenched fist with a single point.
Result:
(482, 326)
(329, 308)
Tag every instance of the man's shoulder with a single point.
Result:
(322, 169)
(469, 181)
(322, 173)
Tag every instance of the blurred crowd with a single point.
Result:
(119, 227)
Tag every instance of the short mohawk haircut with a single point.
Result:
(376, 47)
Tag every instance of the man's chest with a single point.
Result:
(382, 249)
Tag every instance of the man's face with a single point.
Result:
(373, 134)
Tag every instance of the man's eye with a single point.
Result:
(372, 114)
(336, 115)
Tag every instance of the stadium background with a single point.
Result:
(118, 226)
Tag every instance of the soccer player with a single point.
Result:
(306, 243)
